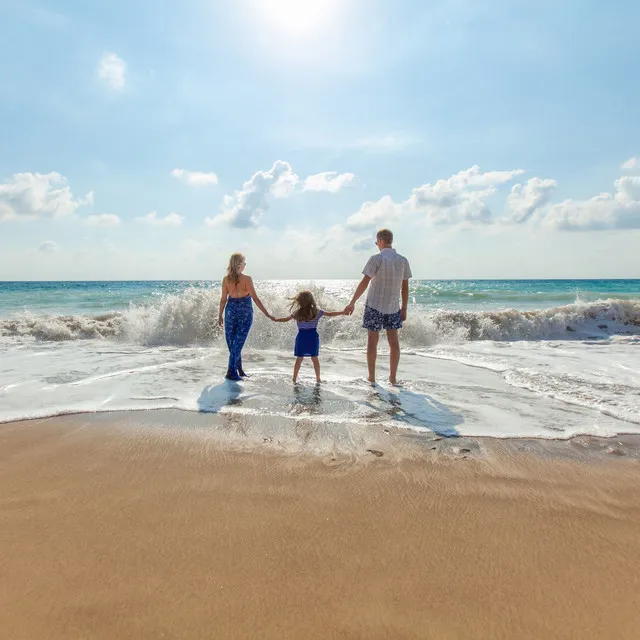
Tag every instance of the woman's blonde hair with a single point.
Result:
(303, 307)
(236, 262)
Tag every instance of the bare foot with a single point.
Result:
(295, 381)
(372, 381)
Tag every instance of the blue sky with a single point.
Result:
(498, 139)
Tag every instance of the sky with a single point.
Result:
(150, 139)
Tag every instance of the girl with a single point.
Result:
(305, 312)
(235, 302)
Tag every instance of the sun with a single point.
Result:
(298, 16)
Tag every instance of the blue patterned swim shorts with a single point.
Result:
(373, 320)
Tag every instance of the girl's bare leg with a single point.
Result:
(296, 368)
(316, 367)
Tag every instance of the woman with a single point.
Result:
(235, 302)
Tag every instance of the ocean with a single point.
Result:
(501, 358)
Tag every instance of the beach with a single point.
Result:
(493, 493)
(132, 525)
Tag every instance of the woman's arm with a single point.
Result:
(254, 297)
(223, 300)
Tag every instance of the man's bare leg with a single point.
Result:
(316, 367)
(372, 354)
(394, 354)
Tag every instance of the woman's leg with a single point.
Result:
(296, 368)
(316, 367)
(230, 317)
(244, 320)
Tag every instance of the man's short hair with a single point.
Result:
(385, 235)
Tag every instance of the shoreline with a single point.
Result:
(121, 528)
(407, 442)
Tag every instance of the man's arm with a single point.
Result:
(362, 287)
(405, 299)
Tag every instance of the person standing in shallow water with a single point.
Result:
(389, 274)
(235, 303)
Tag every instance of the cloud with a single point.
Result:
(631, 164)
(372, 214)
(460, 198)
(31, 195)
(195, 178)
(245, 208)
(48, 246)
(170, 220)
(112, 69)
(363, 244)
(103, 220)
(617, 210)
(330, 181)
(525, 199)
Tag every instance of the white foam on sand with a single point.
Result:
(546, 390)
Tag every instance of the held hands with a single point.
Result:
(348, 310)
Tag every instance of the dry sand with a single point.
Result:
(114, 533)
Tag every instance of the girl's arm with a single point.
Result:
(254, 297)
(223, 300)
(331, 314)
(282, 319)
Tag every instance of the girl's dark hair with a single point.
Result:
(303, 307)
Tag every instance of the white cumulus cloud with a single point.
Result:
(48, 246)
(525, 199)
(112, 70)
(363, 244)
(617, 210)
(631, 164)
(373, 214)
(31, 195)
(246, 207)
(195, 178)
(103, 220)
(330, 181)
(460, 198)
(170, 220)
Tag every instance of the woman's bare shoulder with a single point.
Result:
(245, 278)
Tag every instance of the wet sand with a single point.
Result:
(108, 531)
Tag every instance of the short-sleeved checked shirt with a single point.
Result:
(387, 270)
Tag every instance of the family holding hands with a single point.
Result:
(386, 275)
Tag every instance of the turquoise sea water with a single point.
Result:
(99, 297)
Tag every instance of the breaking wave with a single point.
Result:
(190, 318)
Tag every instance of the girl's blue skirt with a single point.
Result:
(307, 343)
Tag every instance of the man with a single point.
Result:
(389, 274)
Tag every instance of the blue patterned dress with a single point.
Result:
(238, 318)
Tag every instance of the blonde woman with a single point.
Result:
(235, 303)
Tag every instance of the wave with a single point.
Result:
(190, 318)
